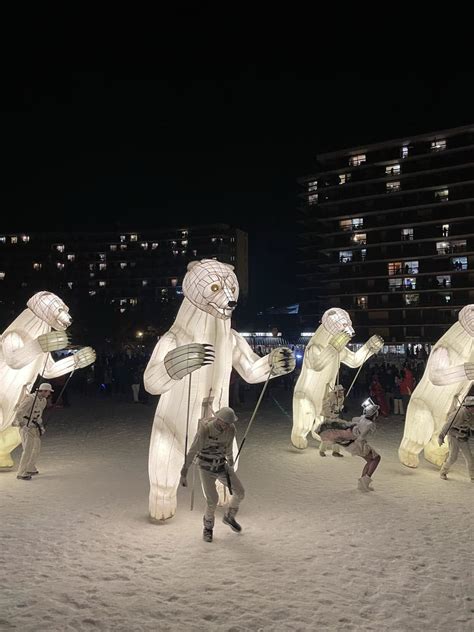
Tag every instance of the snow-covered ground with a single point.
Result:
(77, 551)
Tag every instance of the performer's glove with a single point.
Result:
(183, 478)
(440, 439)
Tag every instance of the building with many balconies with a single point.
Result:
(388, 235)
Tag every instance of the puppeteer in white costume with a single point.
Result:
(25, 348)
(447, 379)
(322, 359)
(201, 340)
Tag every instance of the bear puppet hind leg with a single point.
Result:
(419, 428)
(165, 462)
(303, 419)
(434, 453)
(9, 440)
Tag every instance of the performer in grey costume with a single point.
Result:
(212, 448)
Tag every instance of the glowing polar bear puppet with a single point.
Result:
(25, 352)
(322, 359)
(210, 291)
(448, 376)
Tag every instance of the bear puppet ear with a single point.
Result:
(191, 265)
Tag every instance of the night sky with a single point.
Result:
(141, 148)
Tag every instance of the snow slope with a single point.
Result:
(77, 551)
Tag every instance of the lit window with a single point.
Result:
(313, 198)
(404, 151)
(164, 290)
(344, 178)
(71, 257)
(70, 285)
(361, 302)
(123, 264)
(213, 239)
(438, 145)
(3, 240)
(359, 238)
(102, 283)
(394, 268)
(345, 256)
(144, 245)
(411, 299)
(91, 275)
(91, 266)
(133, 237)
(174, 282)
(102, 266)
(183, 252)
(409, 283)
(92, 292)
(356, 161)
(313, 186)
(459, 263)
(445, 230)
(123, 301)
(37, 266)
(442, 195)
(175, 253)
(133, 301)
(407, 234)
(443, 247)
(102, 256)
(154, 245)
(392, 170)
(123, 246)
(410, 267)
(446, 297)
(59, 265)
(123, 238)
(25, 239)
(60, 247)
(113, 247)
(2, 276)
(393, 186)
(184, 242)
(144, 282)
(195, 252)
(351, 224)
(363, 254)
(14, 240)
(184, 234)
(394, 284)
(443, 280)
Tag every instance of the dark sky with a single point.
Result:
(82, 149)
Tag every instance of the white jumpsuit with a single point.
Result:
(29, 417)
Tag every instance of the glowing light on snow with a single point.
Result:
(322, 359)
(447, 379)
(211, 291)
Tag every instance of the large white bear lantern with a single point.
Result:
(448, 376)
(322, 359)
(25, 348)
(200, 338)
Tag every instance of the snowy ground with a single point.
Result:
(77, 551)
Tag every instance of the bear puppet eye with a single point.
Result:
(215, 287)
(233, 289)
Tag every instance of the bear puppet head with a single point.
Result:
(212, 286)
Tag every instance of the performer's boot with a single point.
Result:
(229, 519)
(364, 484)
(207, 531)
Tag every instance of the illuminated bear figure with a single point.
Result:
(322, 359)
(200, 338)
(25, 352)
(448, 376)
